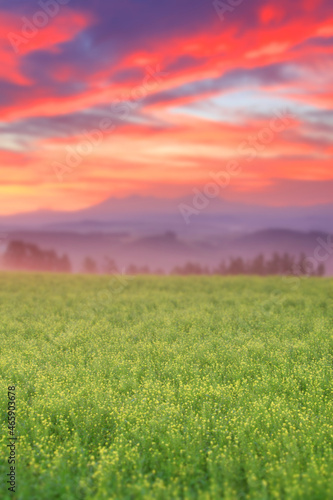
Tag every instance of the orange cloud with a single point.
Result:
(175, 151)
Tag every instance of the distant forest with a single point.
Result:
(28, 257)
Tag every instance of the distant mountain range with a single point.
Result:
(148, 215)
(150, 231)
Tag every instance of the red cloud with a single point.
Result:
(19, 37)
(180, 153)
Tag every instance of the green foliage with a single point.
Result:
(177, 387)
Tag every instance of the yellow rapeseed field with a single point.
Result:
(169, 388)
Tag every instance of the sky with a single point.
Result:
(117, 98)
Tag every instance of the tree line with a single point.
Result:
(29, 257)
(260, 265)
(26, 256)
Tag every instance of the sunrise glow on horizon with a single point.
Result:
(150, 98)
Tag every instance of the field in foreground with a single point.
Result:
(167, 388)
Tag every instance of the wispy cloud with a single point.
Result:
(225, 79)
